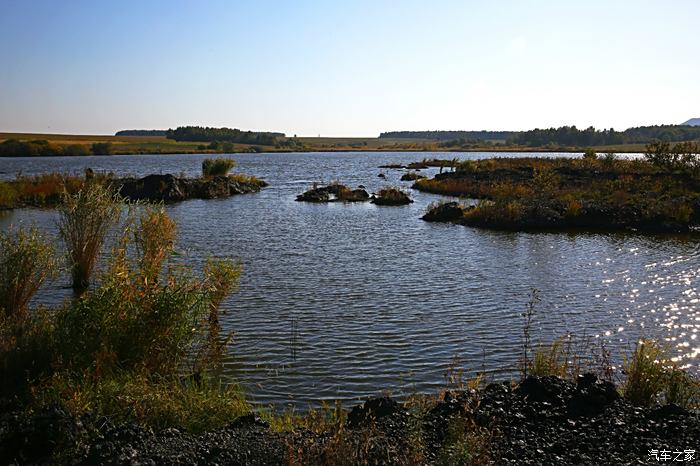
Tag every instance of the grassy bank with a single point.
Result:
(49, 190)
(660, 193)
(56, 144)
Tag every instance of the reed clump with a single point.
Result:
(84, 221)
(217, 167)
(121, 348)
(651, 375)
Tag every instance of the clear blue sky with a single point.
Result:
(351, 68)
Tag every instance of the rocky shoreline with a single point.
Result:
(542, 420)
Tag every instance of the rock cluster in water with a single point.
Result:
(169, 188)
(334, 193)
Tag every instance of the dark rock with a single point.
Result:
(391, 196)
(381, 175)
(36, 438)
(372, 409)
(592, 396)
(548, 389)
(446, 212)
(411, 176)
(333, 193)
(168, 188)
(247, 421)
(666, 411)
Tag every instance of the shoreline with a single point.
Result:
(540, 420)
(353, 150)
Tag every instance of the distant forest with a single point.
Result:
(206, 134)
(141, 132)
(449, 135)
(563, 136)
(572, 136)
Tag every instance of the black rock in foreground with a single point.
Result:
(543, 420)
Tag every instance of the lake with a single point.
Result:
(341, 301)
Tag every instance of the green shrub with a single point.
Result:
(8, 195)
(101, 148)
(217, 167)
(652, 376)
(76, 150)
(590, 154)
(609, 159)
(549, 360)
(84, 220)
(159, 402)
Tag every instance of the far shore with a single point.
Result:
(139, 145)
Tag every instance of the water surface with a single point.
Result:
(340, 301)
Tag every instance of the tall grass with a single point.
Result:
(120, 350)
(26, 261)
(217, 167)
(84, 220)
(155, 240)
(653, 376)
(158, 402)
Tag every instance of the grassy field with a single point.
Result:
(162, 145)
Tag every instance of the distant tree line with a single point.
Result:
(141, 132)
(40, 147)
(449, 135)
(572, 136)
(206, 134)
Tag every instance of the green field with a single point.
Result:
(162, 145)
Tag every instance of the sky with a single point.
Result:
(352, 68)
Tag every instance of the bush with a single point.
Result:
(84, 220)
(590, 154)
(76, 150)
(101, 148)
(139, 317)
(609, 159)
(8, 195)
(217, 167)
(683, 156)
(26, 262)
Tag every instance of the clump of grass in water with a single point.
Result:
(27, 260)
(217, 167)
(651, 374)
(154, 240)
(84, 220)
